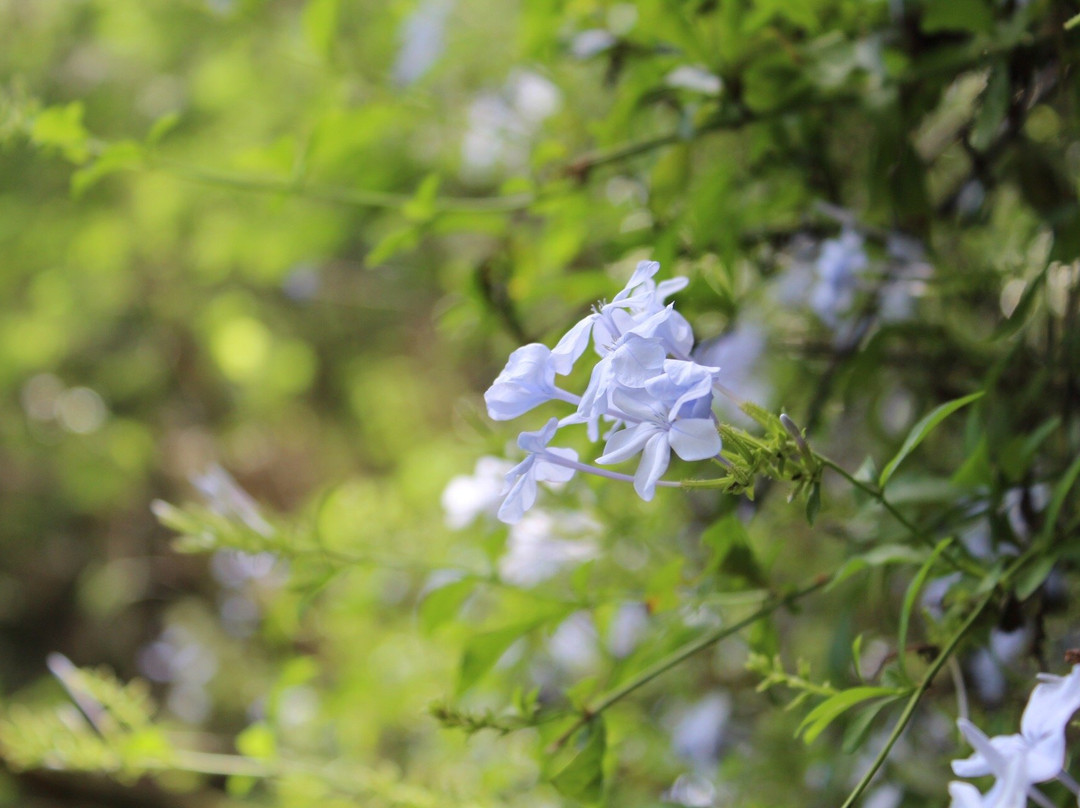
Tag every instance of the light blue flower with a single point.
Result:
(838, 266)
(527, 381)
(641, 299)
(541, 465)
(1035, 755)
(655, 425)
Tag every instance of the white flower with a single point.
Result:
(467, 496)
(1035, 755)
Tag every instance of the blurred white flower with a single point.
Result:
(502, 124)
(422, 40)
(468, 496)
(225, 497)
(587, 44)
(542, 543)
(694, 78)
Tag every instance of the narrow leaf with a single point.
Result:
(912, 593)
(919, 432)
(582, 778)
(818, 719)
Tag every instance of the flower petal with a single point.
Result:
(654, 462)
(695, 438)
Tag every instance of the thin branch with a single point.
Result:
(688, 650)
(913, 702)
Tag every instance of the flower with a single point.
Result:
(541, 464)
(1035, 755)
(527, 381)
(467, 496)
(671, 412)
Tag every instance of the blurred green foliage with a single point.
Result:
(298, 239)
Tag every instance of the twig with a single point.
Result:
(688, 650)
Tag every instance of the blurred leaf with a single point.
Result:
(582, 777)
(421, 207)
(442, 604)
(61, 128)
(994, 106)
(120, 156)
(818, 719)
(910, 596)
(394, 242)
(975, 16)
(162, 128)
(919, 432)
(320, 25)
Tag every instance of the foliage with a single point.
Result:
(298, 240)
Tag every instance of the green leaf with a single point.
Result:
(813, 503)
(162, 127)
(421, 208)
(116, 157)
(731, 551)
(1022, 311)
(910, 596)
(320, 25)
(483, 650)
(442, 604)
(582, 777)
(859, 728)
(995, 104)
(1033, 575)
(957, 15)
(878, 557)
(61, 128)
(1057, 501)
(818, 719)
(919, 432)
(391, 244)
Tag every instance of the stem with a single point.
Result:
(913, 702)
(339, 196)
(688, 650)
(599, 472)
(879, 496)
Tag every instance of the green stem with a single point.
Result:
(879, 496)
(913, 702)
(339, 196)
(683, 653)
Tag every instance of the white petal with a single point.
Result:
(654, 462)
(694, 438)
(626, 443)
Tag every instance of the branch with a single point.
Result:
(913, 702)
(688, 650)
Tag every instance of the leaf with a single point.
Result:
(732, 555)
(818, 719)
(582, 777)
(813, 503)
(116, 157)
(391, 244)
(912, 593)
(919, 432)
(859, 728)
(1033, 575)
(1022, 310)
(957, 15)
(878, 557)
(995, 104)
(61, 128)
(320, 25)
(162, 127)
(421, 208)
(483, 650)
(1057, 501)
(443, 603)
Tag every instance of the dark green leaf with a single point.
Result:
(919, 432)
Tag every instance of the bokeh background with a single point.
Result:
(288, 244)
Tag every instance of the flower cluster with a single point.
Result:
(645, 385)
(1035, 755)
